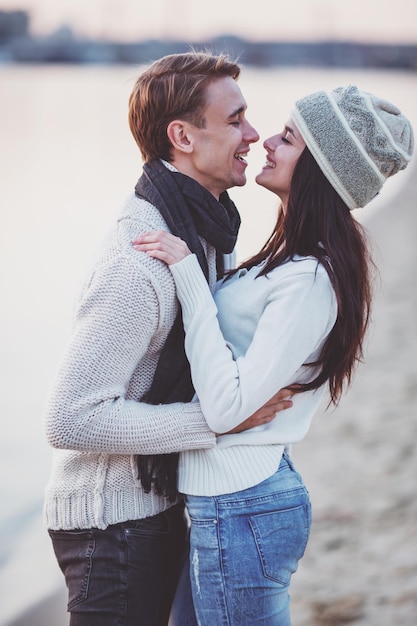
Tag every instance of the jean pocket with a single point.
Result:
(281, 538)
(154, 526)
(74, 550)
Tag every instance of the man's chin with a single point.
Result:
(240, 181)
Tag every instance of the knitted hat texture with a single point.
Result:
(357, 139)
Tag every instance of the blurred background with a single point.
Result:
(67, 161)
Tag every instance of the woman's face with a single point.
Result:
(283, 152)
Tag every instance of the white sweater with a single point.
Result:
(93, 418)
(253, 340)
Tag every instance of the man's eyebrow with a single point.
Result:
(241, 109)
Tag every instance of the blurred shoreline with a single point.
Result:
(18, 45)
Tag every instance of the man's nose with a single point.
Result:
(251, 135)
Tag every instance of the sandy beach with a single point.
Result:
(359, 462)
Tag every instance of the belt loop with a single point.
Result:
(287, 458)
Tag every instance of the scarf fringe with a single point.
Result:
(158, 473)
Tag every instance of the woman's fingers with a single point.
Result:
(162, 245)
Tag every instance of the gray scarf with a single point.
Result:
(190, 212)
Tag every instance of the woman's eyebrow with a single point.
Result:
(290, 130)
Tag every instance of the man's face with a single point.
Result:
(219, 149)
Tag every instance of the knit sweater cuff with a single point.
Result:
(196, 425)
(192, 288)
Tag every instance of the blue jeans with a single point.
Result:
(125, 575)
(244, 547)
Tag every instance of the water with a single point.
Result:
(67, 161)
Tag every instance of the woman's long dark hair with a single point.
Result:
(318, 223)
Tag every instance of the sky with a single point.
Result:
(381, 21)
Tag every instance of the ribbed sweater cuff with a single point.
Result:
(202, 436)
(192, 288)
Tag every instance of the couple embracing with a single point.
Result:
(187, 379)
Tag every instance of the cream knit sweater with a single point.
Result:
(93, 418)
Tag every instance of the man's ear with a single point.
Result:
(181, 135)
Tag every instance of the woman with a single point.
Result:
(294, 315)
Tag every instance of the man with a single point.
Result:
(121, 408)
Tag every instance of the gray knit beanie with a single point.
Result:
(357, 139)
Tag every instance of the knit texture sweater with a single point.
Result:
(94, 418)
(253, 339)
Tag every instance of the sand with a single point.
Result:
(359, 462)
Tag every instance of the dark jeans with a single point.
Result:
(125, 575)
